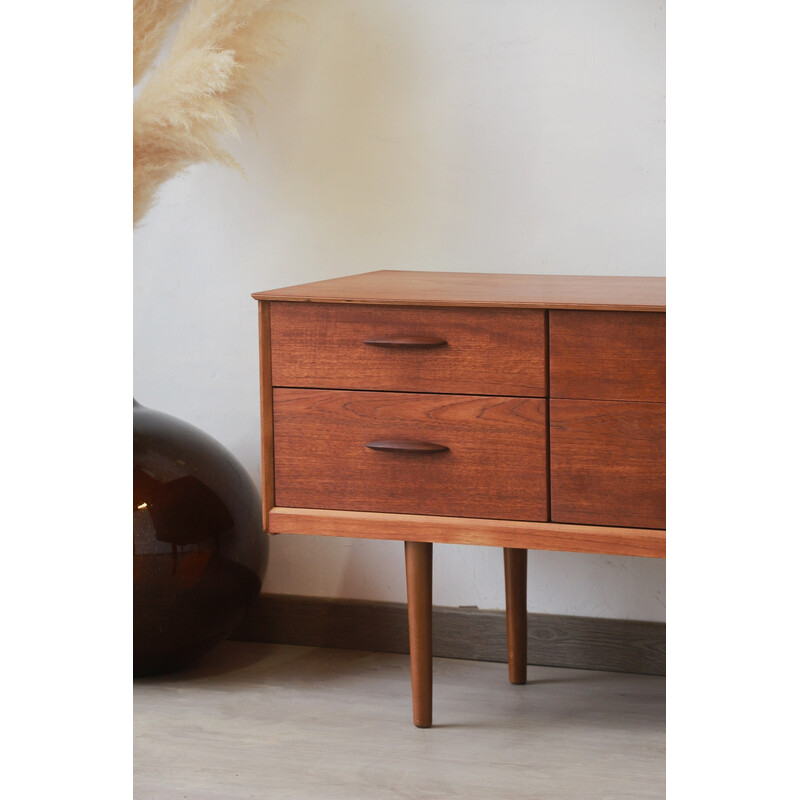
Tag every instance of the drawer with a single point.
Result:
(491, 351)
(607, 355)
(607, 463)
(494, 465)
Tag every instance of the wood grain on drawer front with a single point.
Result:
(487, 350)
(495, 467)
(607, 463)
(607, 355)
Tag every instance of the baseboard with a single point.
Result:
(553, 640)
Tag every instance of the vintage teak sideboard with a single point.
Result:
(520, 411)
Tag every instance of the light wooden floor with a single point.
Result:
(292, 723)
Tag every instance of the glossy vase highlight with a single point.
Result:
(199, 551)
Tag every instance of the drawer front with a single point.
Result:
(607, 463)
(421, 349)
(607, 355)
(494, 465)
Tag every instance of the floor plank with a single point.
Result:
(299, 723)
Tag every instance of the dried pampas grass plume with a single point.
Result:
(211, 73)
(152, 19)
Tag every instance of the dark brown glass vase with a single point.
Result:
(199, 552)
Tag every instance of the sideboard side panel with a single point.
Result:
(265, 371)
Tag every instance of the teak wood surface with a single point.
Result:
(495, 464)
(459, 530)
(607, 463)
(607, 355)
(420, 288)
(515, 411)
(515, 566)
(419, 588)
(498, 351)
(265, 382)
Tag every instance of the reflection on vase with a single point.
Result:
(199, 552)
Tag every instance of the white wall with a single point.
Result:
(469, 135)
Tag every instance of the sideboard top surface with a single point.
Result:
(407, 287)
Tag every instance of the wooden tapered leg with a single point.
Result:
(419, 585)
(516, 569)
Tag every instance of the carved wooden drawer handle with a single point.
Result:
(407, 446)
(418, 342)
